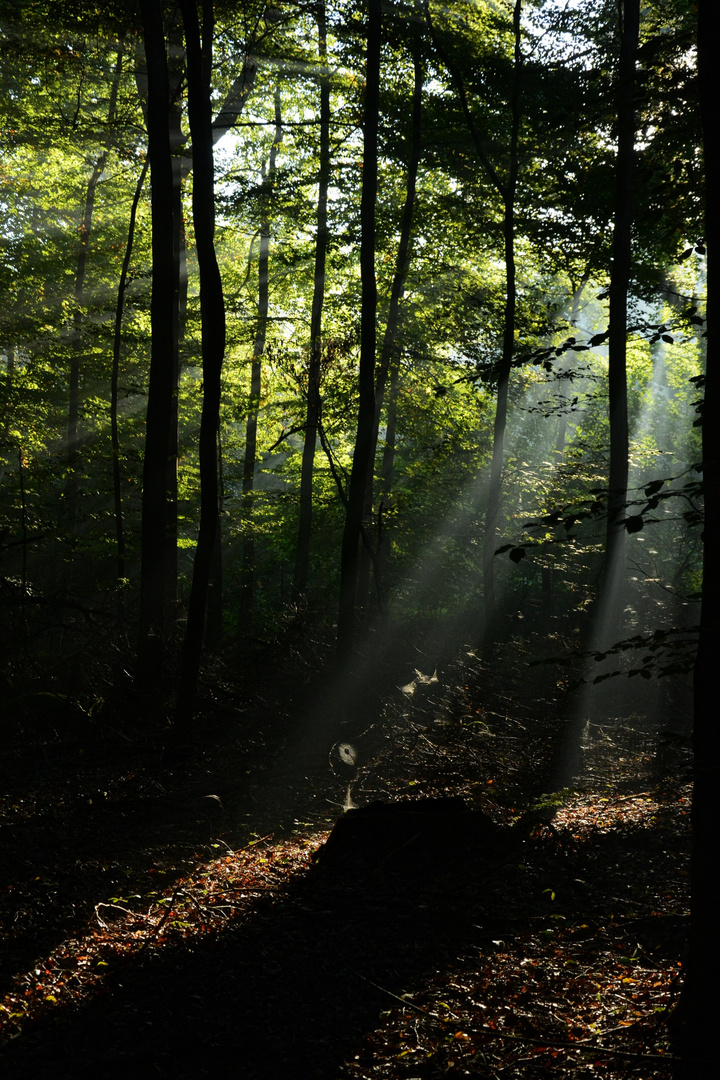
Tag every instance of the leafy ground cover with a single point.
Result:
(162, 914)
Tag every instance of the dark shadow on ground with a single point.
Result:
(292, 989)
(286, 994)
(89, 818)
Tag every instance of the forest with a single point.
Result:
(359, 481)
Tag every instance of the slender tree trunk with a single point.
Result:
(387, 470)
(614, 569)
(314, 403)
(215, 607)
(212, 311)
(696, 1033)
(366, 377)
(23, 522)
(563, 419)
(402, 262)
(115, 376)
(73, 426)
(387, 352)
(158, 435)
(8, 389)
(388, 459)
(251, 426)
(85, 232)
(492, 518)
(181, 167)
(507, 191)
(250, 461)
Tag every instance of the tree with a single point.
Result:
(85, 233)
(695, 1031)
(502, 227)
(506, 188)
(259, 344)
(115, 375)
(388, 362)
(314, 375)
(366, 376)
(159, 427)
(629, 14)
(212, 309)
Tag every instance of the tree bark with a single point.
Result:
(115, 376)
(508, 192)
(177, 140)
(614, 569)
(212, 312)
(314, 403)
(73, 426)
(368, 558)
(159, 90)
(366, 376)
(85, 232)
(158, 435)
(248, 486)
(696, 1021)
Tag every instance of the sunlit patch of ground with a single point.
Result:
(218, 892)
(587, 814)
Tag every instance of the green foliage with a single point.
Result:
(54, 128)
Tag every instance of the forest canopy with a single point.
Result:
(497, 141)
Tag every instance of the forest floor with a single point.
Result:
(162, 914)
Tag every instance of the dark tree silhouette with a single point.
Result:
(314, 404)
(696, 1019)
(629, 15)
(251, 427)
(366, 380)
(212, 311)
(158, 437)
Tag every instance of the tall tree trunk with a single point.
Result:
(212, 311)
(248, 487)
(158, 432)
(366, 376)
(492, 518)
(314, 404)
(696, 1033)
(614, 569)
(181, 168)
(368, 559)
(158, 579)
(115, 376)
(507, 191)
(85, 232)
(73, 425)
(228, 115)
